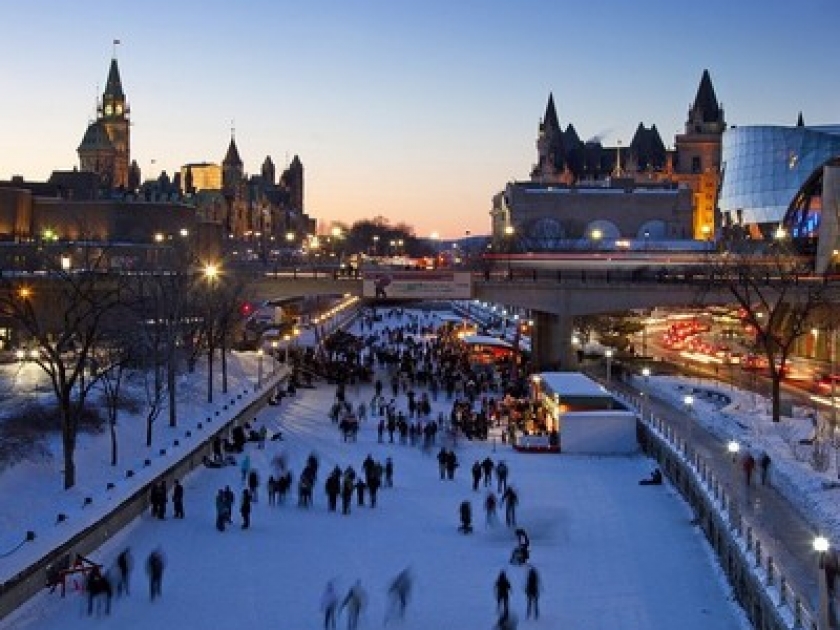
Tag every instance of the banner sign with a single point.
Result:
(417, 285)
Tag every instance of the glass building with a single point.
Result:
(767, 170)
(782, 178)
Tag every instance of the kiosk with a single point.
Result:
(577, 415)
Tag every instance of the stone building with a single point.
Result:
(574, 185)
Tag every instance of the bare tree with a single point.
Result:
(779, 296)
(63, 316)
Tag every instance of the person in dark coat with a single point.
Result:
(501, 476)
(476, 475)
(253, 484)
(442, 457)
(332, 486)
(124, 565)
(154, 567)
(451, 464)
(360, 492)
(748, 465)
(487, 468)
(465, 512)
(389, 473)
(346, 494)
(98, 588)
(511, 500)
(245, 508)
(178, 499)
(502, 588)
(373, 486)
(532, 593)
(222, 510)
(764, 462)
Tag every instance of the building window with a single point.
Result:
(695, 164)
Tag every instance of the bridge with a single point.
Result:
(556, 292)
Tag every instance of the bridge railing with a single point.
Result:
(761, 584)
(693, 274)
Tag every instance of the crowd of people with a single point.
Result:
(411, 364)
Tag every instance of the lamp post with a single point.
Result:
(509, 232)
(608, 354)
(274, 346)
(821, 546)
(260, 353)
(688, 401)
(288, 339)
(646, 375)
(733, 447)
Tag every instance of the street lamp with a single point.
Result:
(646, 375)
(260, 353)
(688, 401)
(733, 447)
(509, 232)
(288, 339)
(821, 546)
(608, 354)
(274, 345)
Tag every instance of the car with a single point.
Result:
(828, 384)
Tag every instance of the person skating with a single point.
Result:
(178, 499)
(124, 565)
(154, 567)
(353, 603)
(511, 500)
(487, 467)
(501, 476)
(532, 593)
(399, 592)
(502, 588)
(245, 508)
(476, 475)
(329, 604)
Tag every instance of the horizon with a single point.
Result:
(419, 114)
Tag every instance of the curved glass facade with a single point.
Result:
(764, 169)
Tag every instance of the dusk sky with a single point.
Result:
(416, 111)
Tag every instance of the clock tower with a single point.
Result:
(110, 155)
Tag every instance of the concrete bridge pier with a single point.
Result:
(551, 342)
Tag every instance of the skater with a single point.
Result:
(465, 512)
(511, 500)
(748, 465)
(329, 603)
(98, 587)
(253, 484)
(501, 476)
(360, 492)
(399, 592)
(154, 567)
(245, 508)
(124, 565)
(245, 467)
(502, 588)
(389, 473)
(442, 457)
(532, 593)
(490, 509)
(353, 603)
(178, 499)
(476, 475)
(764, 462)
(222, 510)
(487, 467)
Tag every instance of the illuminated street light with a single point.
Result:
(733, 447)
(608, 354)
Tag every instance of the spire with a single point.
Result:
(550, 120)
(800, 122)
(113, 87)
(706, 108)
(232, 157)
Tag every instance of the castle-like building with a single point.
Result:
(106, 145)
(566, 164)
(260, 207)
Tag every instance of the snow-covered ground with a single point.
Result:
(611, 553)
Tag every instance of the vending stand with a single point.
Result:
(574, 414)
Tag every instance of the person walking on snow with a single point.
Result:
(502, 588)
(329, 603)
(532, 593)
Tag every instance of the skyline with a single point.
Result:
(419, 113)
